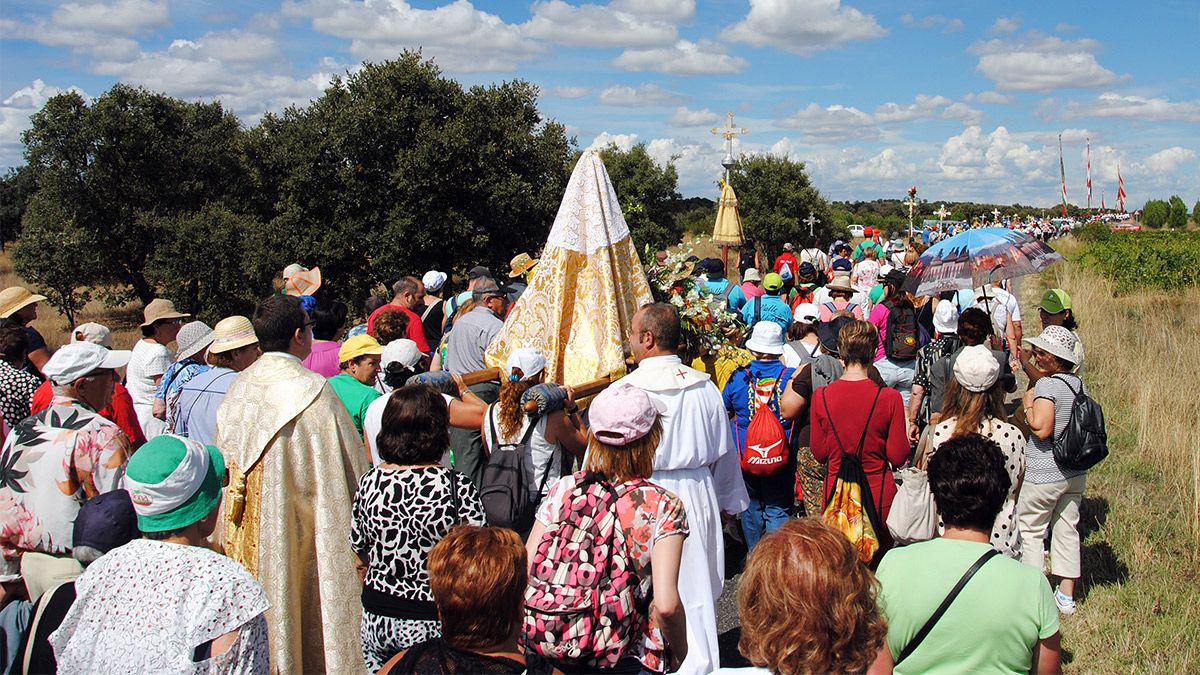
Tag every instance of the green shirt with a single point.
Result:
(992, 626)
(355, 395)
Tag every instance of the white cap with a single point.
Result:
(402, 351)
(976, 368)
(884, 269)
(945, 318)
(433, 280)
(292, 269)
(530, 361)
(93, 333)
(766, 338)
(806, 312)
(79, 359)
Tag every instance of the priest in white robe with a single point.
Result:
(697, 462)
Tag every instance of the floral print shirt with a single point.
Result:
(51, 463)
(648, 513)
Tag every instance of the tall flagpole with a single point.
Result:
(1089, 174)
(1062, 170)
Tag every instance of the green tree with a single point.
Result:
(52, 257)
(648, 195)
(1178, 215)
(396, 169)
(115, 168)
(1196, 213)
(1155, 213)
(16, 188)
(775, 195)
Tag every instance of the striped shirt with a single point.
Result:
(1040, 465)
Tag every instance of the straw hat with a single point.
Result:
(840, 283)
(304, 282)
(160, 309)
(230, 333)
(16, 297)
(521, 264)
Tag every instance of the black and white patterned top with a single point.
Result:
(1041, 467)
(16, 392)
(399, 514)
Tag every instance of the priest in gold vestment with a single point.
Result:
(294, 462)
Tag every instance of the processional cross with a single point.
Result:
(942, 212)
(996, 214)
(810, 221)
(729, 131)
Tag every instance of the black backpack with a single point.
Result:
(905, 336)
(1084, 441)
(504, 489)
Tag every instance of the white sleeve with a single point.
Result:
(727, 470)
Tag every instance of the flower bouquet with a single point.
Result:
(706, 327)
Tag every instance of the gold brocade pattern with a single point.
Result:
(305, 459)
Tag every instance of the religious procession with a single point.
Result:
(554, 470)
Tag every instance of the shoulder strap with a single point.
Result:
(429, 308)
(1064, 381)
(757, 308)
(454, 503)
(937, 614)
(866, 427)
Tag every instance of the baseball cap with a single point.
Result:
(766, 338)
(895, 277)
(174, 482)
(530, 361)
(478, 272)
(622, 414)
(842, 264)
(806, 312)
(1055, 300)
(293, 269)
(433, 280)
(78, 359)
(402, 351)
(976, 369)
(945, 317)
(105, 522)
(94, 333)
(788, 246)
(772, 282)
(359, 345)
(715, 267)
(751, 275)
(806, 271)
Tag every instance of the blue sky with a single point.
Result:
(963, 99)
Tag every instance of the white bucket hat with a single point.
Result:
(945, 318)
(433, 280)
(192, 339)
(766, 338)
(1056, 340)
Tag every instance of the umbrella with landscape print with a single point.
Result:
(977, 257)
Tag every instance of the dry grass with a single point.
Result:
(53, 326)
(1141, 591)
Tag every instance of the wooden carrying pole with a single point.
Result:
(583, 391)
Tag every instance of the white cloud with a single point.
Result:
(697, 163)
(990, 97)
(963, 113)
(595, 26)
(803, 28)
(922, 107)
(1114, 105)
(832, 124)
(682, 58)
(646, 95)
(459, 37)
(15, 111)
(683, 117)
(605, 139)
(1065, 28)
(1041, 63)
(666, 10)
(885, 165)
(947, 24)
(1169, 160)
(972, 155)
(1005, 25)
(569, 92)
(123, 17)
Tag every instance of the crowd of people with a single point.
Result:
(287, 493)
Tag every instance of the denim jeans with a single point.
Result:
(898, 375)
(761, 518)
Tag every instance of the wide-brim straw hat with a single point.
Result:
(232, 332)
(16, 297)
(304, 282)
(160, 309)
(840, 283)
(521, 264)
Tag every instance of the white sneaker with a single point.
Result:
(1066, 604)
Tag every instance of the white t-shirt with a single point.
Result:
(999, 305)
(373, 422)
(148, 361)
(815, 256)
(791, 357)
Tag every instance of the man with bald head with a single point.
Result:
(696, 460)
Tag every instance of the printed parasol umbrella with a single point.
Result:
(977, 257)
(580, 303)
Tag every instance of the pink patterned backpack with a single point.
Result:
(580, 605)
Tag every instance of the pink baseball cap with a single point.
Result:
(622, 414)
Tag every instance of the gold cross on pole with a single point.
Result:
(729, 132)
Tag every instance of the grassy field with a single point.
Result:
(1140, 608)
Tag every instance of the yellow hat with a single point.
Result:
(16, 297)
(359, 345)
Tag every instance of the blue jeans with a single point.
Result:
(760, 519)
(898, 375)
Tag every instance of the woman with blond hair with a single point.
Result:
(975, 405)
(625, 434)
(807, 605)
